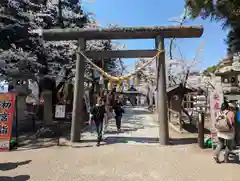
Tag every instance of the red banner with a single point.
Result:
(7, 107)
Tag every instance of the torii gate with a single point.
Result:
(156, 32)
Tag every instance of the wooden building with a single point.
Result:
(175, 95)
(175, 99)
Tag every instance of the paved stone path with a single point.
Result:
(138, 127)
(117, 160)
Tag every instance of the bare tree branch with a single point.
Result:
(180, 22)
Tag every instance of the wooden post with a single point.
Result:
(102, 86)
(151, 95)
(162, 95)
(180, 120)
(92, 91)
(201, 130)
(47, 108)
(77, 117)
(169, 104)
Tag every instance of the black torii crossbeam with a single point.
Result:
(154, 32)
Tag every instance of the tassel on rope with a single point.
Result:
(110, 85)
(101, 80)
(128, 84)
(122, 85)
(135, 81)
(118, 88)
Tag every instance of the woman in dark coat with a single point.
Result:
(118, 114)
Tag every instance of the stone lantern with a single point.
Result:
(229, 71)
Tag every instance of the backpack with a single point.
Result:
(222, 122)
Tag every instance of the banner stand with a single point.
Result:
(7, 112)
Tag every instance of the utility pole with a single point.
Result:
(161, 94)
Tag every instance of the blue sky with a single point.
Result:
(160, 12)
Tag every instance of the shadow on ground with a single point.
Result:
(119, 139)
(36, 143)
(173, 141)
(123, 130)
(16, 178)
(139, 112)
(12, 165)
(43, 138)
(183, 141)
(191, 128)
(233, 161)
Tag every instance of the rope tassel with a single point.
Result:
(135, 81)
(110, 85)
(118, 88)
(128, 84)
(101, 80)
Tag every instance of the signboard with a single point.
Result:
(60, 111)
(7, 107)
(200, 103)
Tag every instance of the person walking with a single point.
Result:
(225, 131)
(98, 113)
(118, 114)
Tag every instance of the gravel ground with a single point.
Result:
(116, 161)
(119, 162)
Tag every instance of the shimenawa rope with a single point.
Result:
(120, 78)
